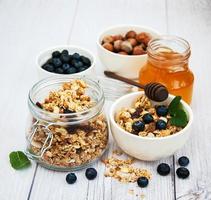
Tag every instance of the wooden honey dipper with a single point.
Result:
(154, 91)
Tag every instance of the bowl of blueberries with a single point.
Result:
(65, 61)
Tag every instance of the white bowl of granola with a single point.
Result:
(150, 143)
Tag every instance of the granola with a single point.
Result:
(126, 117)
(72, 144)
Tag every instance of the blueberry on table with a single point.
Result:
(161, 125)
(138, 126)
(71, 70)
(56, 54)
(48, 67)
(162, 110)
(59, 70)
(86, 61)
(183, 161)
(91, 173)
(65, 58)
(56, 62)
(71, 178)
(65, 52)
(76, 56)
(65, 66)
(182, 172)
(163, 169)
(148, 118)
(142, 181)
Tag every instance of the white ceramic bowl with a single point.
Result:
(46, 54)
(125, 65)
(145, 148)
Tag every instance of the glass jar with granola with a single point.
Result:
(67, 127)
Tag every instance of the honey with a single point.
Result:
(168, 64)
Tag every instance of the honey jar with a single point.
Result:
(168, 64)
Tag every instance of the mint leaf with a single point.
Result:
(180, 118)
(174, 105)
(19, 160)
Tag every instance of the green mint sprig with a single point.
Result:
(19, 160)
(178, 115)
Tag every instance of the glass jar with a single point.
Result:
(66, 141)
(167, 63)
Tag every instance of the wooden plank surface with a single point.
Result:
(30, 26)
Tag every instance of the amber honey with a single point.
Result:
(168, 64)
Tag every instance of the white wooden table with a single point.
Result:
(28, 26)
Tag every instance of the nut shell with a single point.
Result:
(117, 37)
(108, 46)
(130, 34)
(138, 50)
(143, 37)
(117, 45)
(126, 46)
(108, 39)
(132, 41)
(123, 53)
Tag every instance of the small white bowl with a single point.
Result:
(125, 65)
(46, 54)
(145, 148)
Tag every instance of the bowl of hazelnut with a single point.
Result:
(122, 48)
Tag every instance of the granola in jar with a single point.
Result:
(69, 129)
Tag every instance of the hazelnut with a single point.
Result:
(117, 37)
(108, 46)
(126, 46)
(117, 45)
(132, 41)
(143, 37)
(130, 34)
(108, 39)
(123, 53)
(138, 50)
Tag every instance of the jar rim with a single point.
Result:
(179, 40)
(49, 81)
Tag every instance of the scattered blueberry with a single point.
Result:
(163, 169)
(71, 178)
(56, 62)
(142, 181)
(65, 52)
(48, 67)
(65, 58)
(138, 126)
(65, 66)
(91, 173)
(161, 110)
(183, 161)
(161, 125)
(59, 70)
(56, 54)
(182, 172)
(76, 56)
(71, 70)
(148, 118)
(86, 61)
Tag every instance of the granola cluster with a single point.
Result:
(123, 170)
(126, 117)
(72, 145)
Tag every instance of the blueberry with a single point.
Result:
(148, 118)
(183, 161)
(65, 58)
(76, 56)
(48, 67)
(161, 110)
(86, 61)
(79, 64)
(161, 125)
(71, 70)
(91, 173)
(182, 172)
(71, 178)
(163, 169)
(65, 52)
(38, 104)
(138, 126)
(81, 69)
(65, 66)
(67, 111)
(56, 62)
(59, 70)
(56, 54)
(142, 181)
